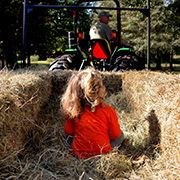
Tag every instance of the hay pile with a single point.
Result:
(21, 96)
(31, 127)
(155, 98)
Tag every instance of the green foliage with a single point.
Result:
(175, 22)
(165, 27)
(53, 26)
(164, 32)
(47, 29)
(9, 29)
(34, 58)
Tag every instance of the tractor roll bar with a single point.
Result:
(145, 11)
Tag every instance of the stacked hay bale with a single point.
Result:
(155, 99)
(21, 97)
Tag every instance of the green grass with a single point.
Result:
(44, 62)
(165, 66)
(40, 62)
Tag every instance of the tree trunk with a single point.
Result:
(9, 53)
(171, 61)
(9, 49)
(158, 61)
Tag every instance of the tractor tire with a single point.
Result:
(64, 62)
(126, 63)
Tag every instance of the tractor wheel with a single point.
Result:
(122, 63)
(125, 63)
(64, 62)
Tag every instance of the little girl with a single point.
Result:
(92, 122)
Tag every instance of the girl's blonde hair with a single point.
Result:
(85, 86)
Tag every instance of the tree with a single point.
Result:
(175, 22)
(50, 29)
(164, 31)
(165, 28)
(46, 29)
(9, 14)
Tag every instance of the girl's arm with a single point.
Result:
(115, 132)
(69, 131)
(69, 127)
(118, 141)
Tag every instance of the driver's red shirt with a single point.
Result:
(93, 131)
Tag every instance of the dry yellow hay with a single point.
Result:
(31, 127)
(21, 97)
(155, 97)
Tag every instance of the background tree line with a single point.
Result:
(165, 29)
(47, 28)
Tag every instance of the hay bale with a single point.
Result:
(30, 117)
(155, 98)
(155, 93)
(49, 115)
(21, 97)
(112, 82)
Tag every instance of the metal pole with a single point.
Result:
(24, 36)
(85, 7)
(75, 23)
(148, 35)
(119, 24)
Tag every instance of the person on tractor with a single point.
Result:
(101, 29)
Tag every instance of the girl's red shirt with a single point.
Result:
(93, 131)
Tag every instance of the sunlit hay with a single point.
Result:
(160, 98)
(165, 166)
(155, 98)
(54, 162)
(146, 108)
(21, 96)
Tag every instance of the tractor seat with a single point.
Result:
(100, 49)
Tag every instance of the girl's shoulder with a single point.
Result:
(107, 106)
(107, 110)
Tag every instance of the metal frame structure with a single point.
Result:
(145, 11)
